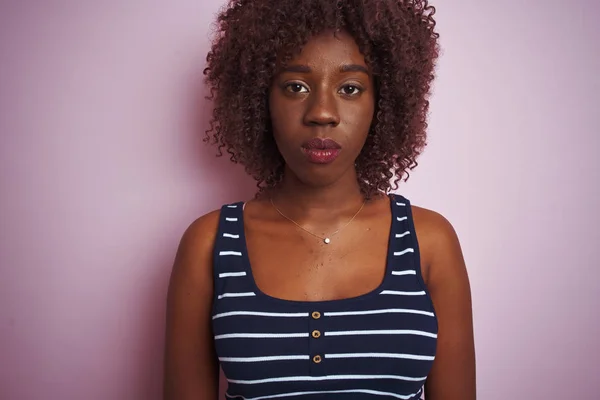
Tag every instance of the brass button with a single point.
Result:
(317, 359)
(316, 334)
(316, 315)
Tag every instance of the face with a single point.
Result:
(321, 106)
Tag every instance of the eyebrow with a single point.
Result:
(305, 69)
(354, 68)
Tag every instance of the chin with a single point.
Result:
(318, 176)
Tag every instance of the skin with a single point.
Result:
(318, 95)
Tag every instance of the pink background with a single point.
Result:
(102, 168)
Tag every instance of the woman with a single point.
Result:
(324, 286)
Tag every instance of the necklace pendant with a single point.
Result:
(327, 240)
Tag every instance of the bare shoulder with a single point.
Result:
(453, 373)
(193, 259)
(191, 368)
(432, 224)
(200, 234)
(437, 238)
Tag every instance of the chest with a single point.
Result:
(290, 264)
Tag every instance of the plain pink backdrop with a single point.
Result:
(102, 168)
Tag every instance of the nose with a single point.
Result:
(322, 109)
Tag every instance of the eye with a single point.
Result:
(296, 88)
(350, 90)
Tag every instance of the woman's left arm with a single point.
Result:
(452, 376)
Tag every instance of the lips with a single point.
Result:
(321, 151)
(321, 144)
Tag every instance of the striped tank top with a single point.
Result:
(380, 345)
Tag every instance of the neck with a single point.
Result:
(325, 203)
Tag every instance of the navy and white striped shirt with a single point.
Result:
(380, 345)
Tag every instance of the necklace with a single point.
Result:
(326, 239)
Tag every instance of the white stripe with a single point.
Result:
(261, 359)
(248, 294)
(230, 235)
(400, 235)
(401, 204)
(231, 274)
(231, 206)
(384, 311)
(324, 378)
(401, 218)
(400, 253)
(380, 355)
(398, 293)
(407, 272)
(261, 335)
(381, 332)
(259, 314)
(295, 394)
(231, 219)
(230, 253)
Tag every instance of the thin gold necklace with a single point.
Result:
(325, 239)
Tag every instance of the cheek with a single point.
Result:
(360, 117)
(278, 114)
(279, 123)
(368, 110)
(286, 122)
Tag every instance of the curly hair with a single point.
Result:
(400, 46)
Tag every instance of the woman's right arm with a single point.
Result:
(191, 366)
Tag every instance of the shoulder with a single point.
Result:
(438, 241)
(192, 272)
(453, 371)
(201, 233)
(195, 251)
(190, 365)
(432, 226)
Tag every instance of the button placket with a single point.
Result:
(316, 342)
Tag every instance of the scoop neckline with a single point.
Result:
(305, 303)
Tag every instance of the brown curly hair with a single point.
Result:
(400, 45)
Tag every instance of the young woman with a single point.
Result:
(325, 285)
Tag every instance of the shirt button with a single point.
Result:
(316, 315)
(316, 334)
(317, 359)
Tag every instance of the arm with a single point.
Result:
(453, 373)
(191, 367)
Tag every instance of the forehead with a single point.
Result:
(330, 48)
